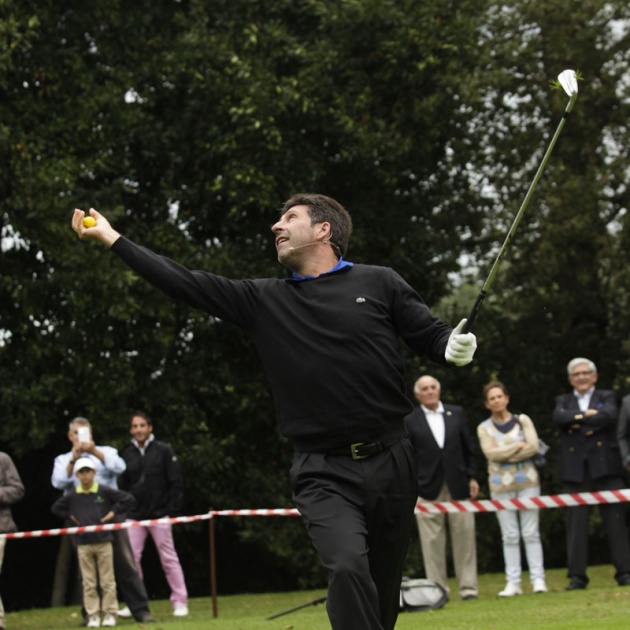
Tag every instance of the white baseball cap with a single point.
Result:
(83, 462)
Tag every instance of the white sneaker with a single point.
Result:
(125, 613)
(180, 610)
(539, 586)
(94, 621)
(510, 590)
(109, 620)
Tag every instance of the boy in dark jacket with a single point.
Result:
(93, 504)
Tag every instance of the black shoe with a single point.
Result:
(624, 579)
(467, 598)
(576, 584)
(146, 618)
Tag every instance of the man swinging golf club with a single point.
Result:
(328, 337)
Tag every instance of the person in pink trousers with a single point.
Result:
(153, 477)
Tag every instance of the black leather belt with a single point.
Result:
(361, 450)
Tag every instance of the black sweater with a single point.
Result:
(90, 507)
(154, 479)
(330, 345)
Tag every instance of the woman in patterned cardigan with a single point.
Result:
(509, 442)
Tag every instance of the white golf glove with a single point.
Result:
(461, 346)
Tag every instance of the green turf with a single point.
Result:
(602, 605)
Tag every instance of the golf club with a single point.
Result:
(568, 80)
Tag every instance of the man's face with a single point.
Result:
(427, 391)
(293, 231)
(582, 378)
(140, 429)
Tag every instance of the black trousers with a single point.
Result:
(614, 519)
(130, 585)
(359, 516)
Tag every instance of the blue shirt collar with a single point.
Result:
(341, 263)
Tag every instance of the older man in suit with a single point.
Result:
(446, 471)
(589, 462)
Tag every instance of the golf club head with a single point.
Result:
(568, 81)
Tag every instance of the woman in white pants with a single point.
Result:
(509, 442)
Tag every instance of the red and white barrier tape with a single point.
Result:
(62, 531)
(533, 503)
(445, 507)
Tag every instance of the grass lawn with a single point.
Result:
(602, 605)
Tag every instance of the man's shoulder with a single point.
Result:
(128, 451)
(605, 392)
(160, 445)
(454, 409)
(106, 447)
(416, 414)
(371, 270)
(565, 396)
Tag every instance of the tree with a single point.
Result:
(188, 124)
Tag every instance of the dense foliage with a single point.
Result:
(188, 123)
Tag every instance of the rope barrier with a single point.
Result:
(439, 507)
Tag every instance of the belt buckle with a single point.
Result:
(353, 450)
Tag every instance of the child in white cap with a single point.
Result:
(93, 504)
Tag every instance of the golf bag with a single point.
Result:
(419, 595)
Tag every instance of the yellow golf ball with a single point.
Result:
(89, 222)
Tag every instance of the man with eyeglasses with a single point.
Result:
(590, 461)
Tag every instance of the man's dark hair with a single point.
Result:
(320, 209)
(140, 414)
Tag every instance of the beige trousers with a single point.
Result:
(432, 529)
(96, 561)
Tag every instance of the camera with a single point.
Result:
(84, 434)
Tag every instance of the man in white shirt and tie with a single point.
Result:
(446, 471)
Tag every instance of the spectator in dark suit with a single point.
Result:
(446, 471)
(589, 462)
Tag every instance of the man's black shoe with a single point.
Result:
(624, 579)
(576, 585)
(469, 597)
(146, 618)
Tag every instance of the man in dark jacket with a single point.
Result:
(153, 477)
(589, 462)
(446, 471)
(11, 491)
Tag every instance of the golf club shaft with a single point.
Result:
(495, 266)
